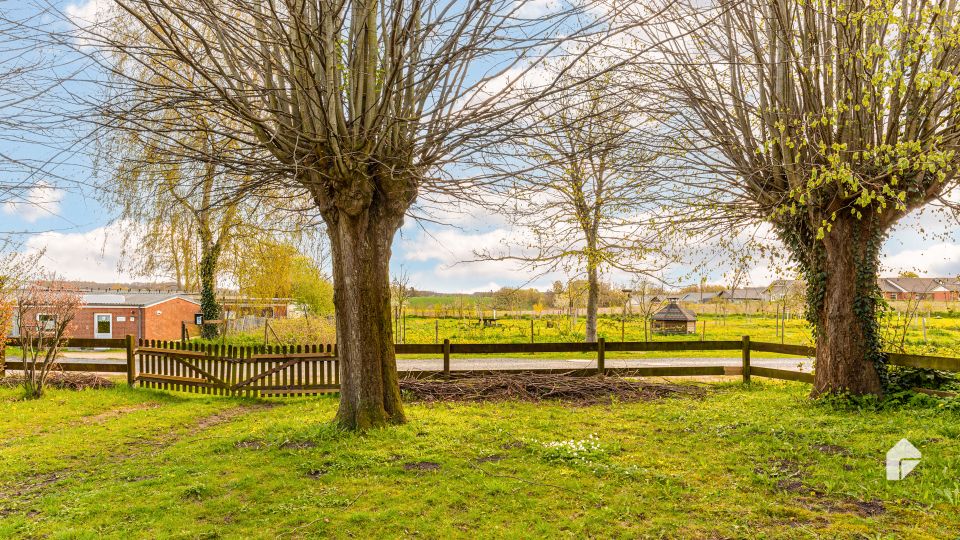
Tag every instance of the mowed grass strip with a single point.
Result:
(740, 462)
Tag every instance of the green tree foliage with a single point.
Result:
(279, 270)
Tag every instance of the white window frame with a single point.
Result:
(98, 335)
(50, 324)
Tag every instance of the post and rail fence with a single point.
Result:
(280, 371)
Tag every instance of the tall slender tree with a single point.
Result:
(184, 208)
(580, 174)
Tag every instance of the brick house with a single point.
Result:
(952, 284)
(152, 315)
(909, 288)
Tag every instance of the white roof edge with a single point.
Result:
(891, 282)
(192, 301)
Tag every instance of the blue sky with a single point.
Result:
(80, 243)
(75, 230)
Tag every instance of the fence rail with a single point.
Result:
(300, 370)
(84, 343)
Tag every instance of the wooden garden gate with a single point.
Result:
(271, 371)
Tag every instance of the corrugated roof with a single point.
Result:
(130, 298)
(697, 296)
(674, 312)
(746, 293)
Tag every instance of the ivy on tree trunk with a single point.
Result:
(209, 306)
(843, 297)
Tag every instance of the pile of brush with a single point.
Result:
(64, 381)
(539, 387)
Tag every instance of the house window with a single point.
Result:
(15, 328)
(46, 321)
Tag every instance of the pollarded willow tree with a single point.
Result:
(580, 177)
(831, 121)
(361, 102)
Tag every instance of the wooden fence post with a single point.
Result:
(436, 330)
(131, 361)
(746, 359)
(531, 330)
(446, 357)
(601, 356)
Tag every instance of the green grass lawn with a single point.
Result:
(740, 463)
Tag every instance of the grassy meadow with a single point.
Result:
(124, 463)
(942, 332)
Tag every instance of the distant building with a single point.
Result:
(918, 288)
(952, 285)
(745, 294)
(674, 319)
(111, 315)
(698, 297)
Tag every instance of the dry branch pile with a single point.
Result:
(534, 387)
(64, 381)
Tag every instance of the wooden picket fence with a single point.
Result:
(279, 371)
(264, 371)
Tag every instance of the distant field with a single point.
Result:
(424, 306)
(943, 333)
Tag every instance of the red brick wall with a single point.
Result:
(939, 296)
(166, 325)
(82, 325)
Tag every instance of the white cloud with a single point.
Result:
(38, 202)
(535, 8)
(89, 13)
(941, 259)
(90, 256)
(88, 18)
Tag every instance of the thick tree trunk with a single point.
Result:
(593, 294)
(369, 385)
(847, 347)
